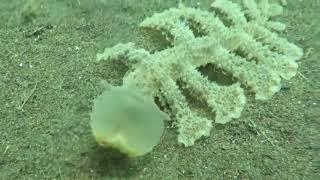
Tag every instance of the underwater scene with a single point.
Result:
(159, 89)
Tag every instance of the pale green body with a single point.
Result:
(127, 120)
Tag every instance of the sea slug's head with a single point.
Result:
(127, 120)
